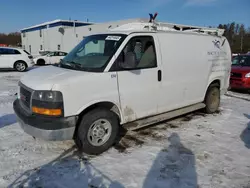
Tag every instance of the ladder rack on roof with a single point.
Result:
(152, 25)
(187, 28)
(169, 27)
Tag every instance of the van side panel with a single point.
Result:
(220, 65)
(187, 61)
(87, 89)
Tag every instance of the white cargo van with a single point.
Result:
(132, 76)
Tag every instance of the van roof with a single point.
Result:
(146, 27)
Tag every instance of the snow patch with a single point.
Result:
(196, 150)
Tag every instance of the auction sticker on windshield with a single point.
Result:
(116, 38)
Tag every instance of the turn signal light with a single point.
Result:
(48, 112)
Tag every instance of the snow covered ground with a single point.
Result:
(197, 150)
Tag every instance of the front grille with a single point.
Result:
(25, 97)
(236, 75)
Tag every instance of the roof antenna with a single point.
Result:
(152, 17)
(152, 20)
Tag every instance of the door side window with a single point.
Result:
(139, 53)
(56, 54)
(16, 52)
(4, 51)
(245, 61)
(62, 54)
(51, 54)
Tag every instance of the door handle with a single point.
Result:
(159, 75)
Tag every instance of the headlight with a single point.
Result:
(247, 75)
(48, 103)
(50, 96)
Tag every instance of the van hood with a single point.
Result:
(241, 69)
(43, 78)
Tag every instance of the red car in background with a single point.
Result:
(240, 72)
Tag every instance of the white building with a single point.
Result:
(62, 35)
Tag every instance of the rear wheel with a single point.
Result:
(97, 131)
(40, 62)
(212, 99)
(20, 66)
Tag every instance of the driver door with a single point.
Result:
(139, 86)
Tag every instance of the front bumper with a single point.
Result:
(46, 128)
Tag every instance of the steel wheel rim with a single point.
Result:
(99, 132)
(20, 66)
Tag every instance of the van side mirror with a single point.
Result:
(129, 61)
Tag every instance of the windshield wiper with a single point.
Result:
(67, 64)
(74, 65)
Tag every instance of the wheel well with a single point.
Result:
(107, 105)
(40, 61)
(215, 83)
(20, 61)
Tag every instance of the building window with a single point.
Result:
(24, 34)
(40, 33)
(41, 47)
(30, 48)
(58, 47)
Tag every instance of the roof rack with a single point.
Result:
(188, 28)
(152, 25)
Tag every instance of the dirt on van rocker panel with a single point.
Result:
(129, 139)
(129, 114)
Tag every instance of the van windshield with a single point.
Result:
(241, 60)
(93, 53)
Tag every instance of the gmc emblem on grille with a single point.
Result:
(22, 97)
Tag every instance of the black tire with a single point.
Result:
(82, 140)
(40, 62)
(212, 99)
(20, 66)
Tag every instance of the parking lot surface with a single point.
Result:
(196, 150)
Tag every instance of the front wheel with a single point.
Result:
(97, 131)
(212, 99)
(20, 66)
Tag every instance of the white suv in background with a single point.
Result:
(16, 58)
(52, 57)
